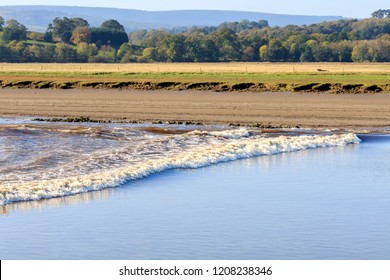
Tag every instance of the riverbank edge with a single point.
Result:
(331, 88)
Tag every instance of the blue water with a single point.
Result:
(328, 203)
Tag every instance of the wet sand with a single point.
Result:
(292, 109)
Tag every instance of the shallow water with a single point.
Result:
(325, 203)
(46, 160)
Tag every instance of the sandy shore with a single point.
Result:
(304, 109)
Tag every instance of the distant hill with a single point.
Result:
(36, 18)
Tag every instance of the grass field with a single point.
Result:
(271, 74)
(383, 68)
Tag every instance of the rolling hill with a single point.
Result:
(36, 18)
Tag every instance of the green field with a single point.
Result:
(271, 76)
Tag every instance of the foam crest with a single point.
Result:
(228, 134)
(194, 157)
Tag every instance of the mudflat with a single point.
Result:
(245, 108)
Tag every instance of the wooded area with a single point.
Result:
(74, 40)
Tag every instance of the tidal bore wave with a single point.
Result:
(46, 161)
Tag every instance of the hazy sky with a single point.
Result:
(346, 8)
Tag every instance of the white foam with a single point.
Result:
(192, 158)
(228, 134)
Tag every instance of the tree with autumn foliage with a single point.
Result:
(81, 34)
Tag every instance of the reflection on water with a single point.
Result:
(323, 203)
(40, 161)
(329, 203)
(84, 198)
(370, 138)
(265, 162)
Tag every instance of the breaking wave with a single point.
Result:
(229, 134)
(65, 160)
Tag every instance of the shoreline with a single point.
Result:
(29, 82)
(256, 109)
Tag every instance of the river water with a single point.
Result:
(119, 191)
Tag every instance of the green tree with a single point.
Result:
(371, 51)
(243, 25)
(227, 43)
(360, 52)
(342, 51)
(86, 51)
(49, 53)
(5, 54)
(251, 38)
(193, 48)
(36, 53)
(108, 37)
(65, 53)
(36, 36)
(63, 28)
(79, 22)
(369, 29)
(210, 51)
(276, 51)
(112, 25)
(125, 49)
(14, 31)
(323, 52)
(149, 54)
(110, 33)
(1, 23)
(263, 23)
(307, 53)
(17, 51)
(380, 50)
(295, 52)
(381, 14)
(173, 47)
(343, 40)
(128, 53)
(106, 54)
(154, 38)
(137, 37)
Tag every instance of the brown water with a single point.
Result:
(327, 203)
(301, 195)
(46, 160)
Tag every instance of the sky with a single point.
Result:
(345, 8)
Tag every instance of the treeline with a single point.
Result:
(381, 14)
(337, 41)
(74, 40)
